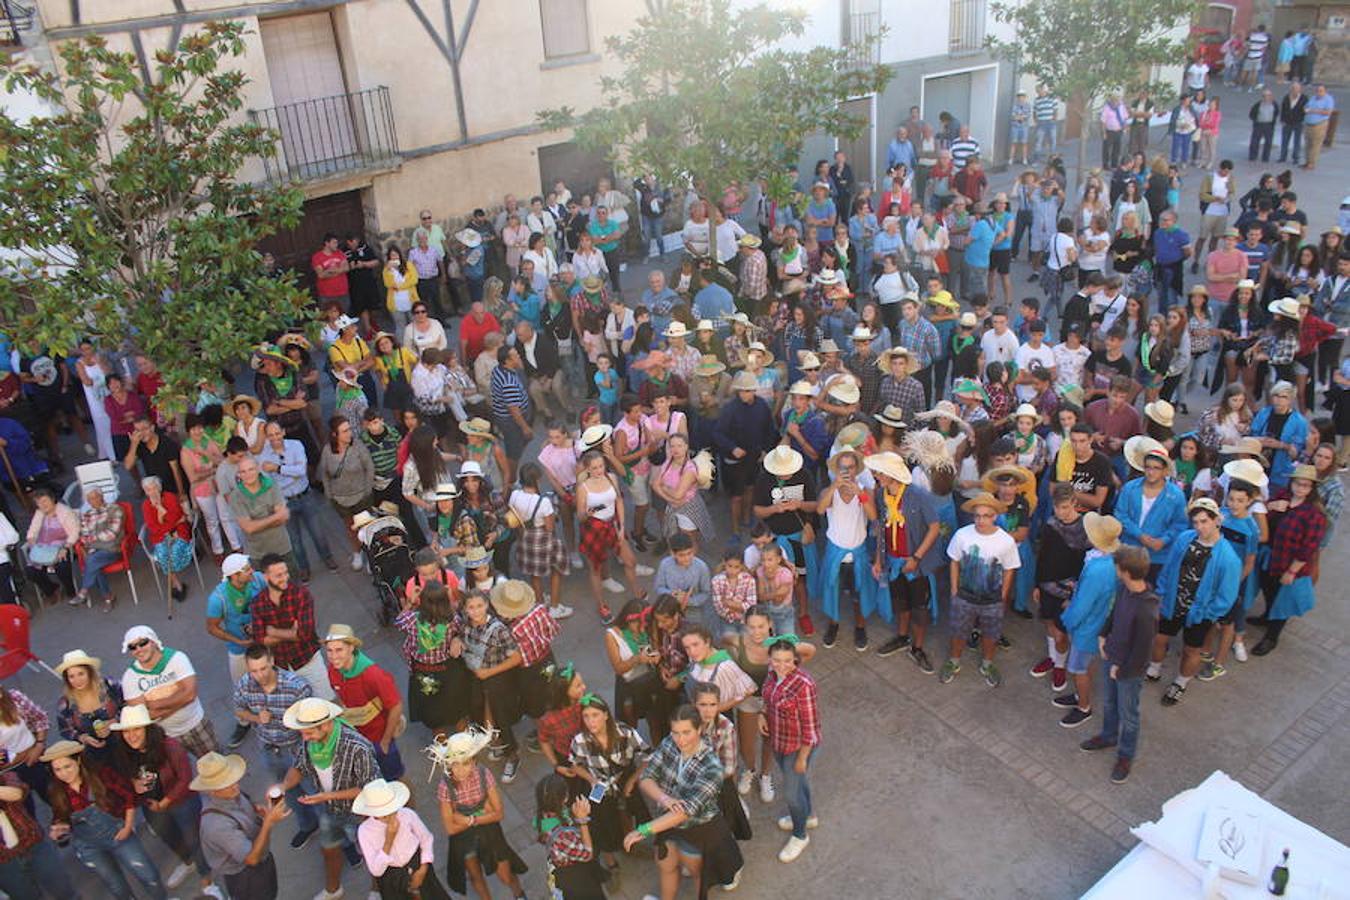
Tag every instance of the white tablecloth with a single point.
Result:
(1163, 864)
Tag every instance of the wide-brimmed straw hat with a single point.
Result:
(339, 632)
(78, 658)
(1102, 531)
(942, 409)
(1287, 307)
(744, 381)
(853, 435)
(944, 299)
(890, 464)
(362, 519)
(782, 461)
(802, 388)
(968, 320)
(592, 284)
(845, 390)
(216, 772)
(884, 359)
(763, 351)
(709, 366)
(476, 427)
(1198, 289)
(1002, 473)
(705, 325)
(1305, 472)
(677, 329)
(1140, 446)
(60, 750)
(892, 415)
(512, 599)
(1026, 411)
(1161, 412)
(459, 747)
(133, 716)
(807, 361)
(1248, 470)
(833, 462)
(983, 498)
(469, 237)
(596, 435)
(828, 346)
(862, 333)
(470, 468)
(253, 403)
(264, 352)
(475, 557)
(310, 712)
(749, 240)
(1246, 446)
(1245, 283)
(291, 339)
(445, 490)
(381, 798)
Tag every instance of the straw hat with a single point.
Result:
(885, 357)
(983, 498)
(820, 186)
(381, 798)
(291, 339)
(216, 772)
(1246, 446)
(344, 322)
(828, 346)
(476, 427)
(133, 716)
(1208, 504)
(1290, 228)
(853, 435)
(470, 467)
(347, 375)
(709, 366)
(1161, 412)
(1198, 289)
(362, 519)
(253, 403)
(928, 450)
(782, 461)
(340, 632)
(862, 333)
(802, 388)
(475, 557)
(459, 747)
(744, 381)
(705, 325)
(310, 712)
(388, 507)
(942, 298)
(1140, 446)
(268, 351)
(999, 473)
(512, 599)
(763, 351)
(740, 318)
(807, 361)
(78, 658)
(592, 284)
(446, 490)
(1305, 472)
(60, 750)
(1026, 411)
(942, 409)
(1248, 470)
(833, 462)
(678, 329)
(703, 465)
(892, 415)
(1102, 531)
(968, 320)
(1245, 283)
(596, 435)
(469, 237)
(892, 465)
(846, 391)
(749, 240)
(1285, 306)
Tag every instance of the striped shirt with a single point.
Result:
(962, 150)
(1045, 108)
(1257, 42)
(508, 389)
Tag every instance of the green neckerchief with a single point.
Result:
(429, 637)
(345, 393)
(1024, 444)
(1186, 470)
(796, 418)
(263, 484)
(1145, 351)
(321, 753)
(548, 824)
(631, 639)
(283, 383)
(219, 435)
(712, 659)
(360, 662)
(393, 365)
(192, 445)
(961, 342)
(238, 598)
(164, 658)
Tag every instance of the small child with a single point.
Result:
(564, 830)
(774, 581)
(607, 384)
(733, 592)
(562, 722)
(760, 537)
(351, 400)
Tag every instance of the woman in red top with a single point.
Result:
(94, 808)
(792, 724)
(1297, 525)
(167, 533)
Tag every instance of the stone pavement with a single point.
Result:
(922, 789)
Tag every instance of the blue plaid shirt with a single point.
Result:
(695, 781)
(920, 339)
(249, 695)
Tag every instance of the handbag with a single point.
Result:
(1068, 272)
(44, 554)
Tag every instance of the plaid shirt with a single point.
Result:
(534, 633)
(791, 707)
(102, 527)
(742, 593)
(720, 737)
(869, 378)
(695, 781)
(296, 610)
(406, 622)
(1282, 348)
(469, 794)
(119, 796)
(1295, 535)
(920, 339)
(754, 276)
(608, 768)
(488, 645)
(907, 393)
(558, 727)
(354, 766)
(566, 848)
(30, 712)
(290, 689)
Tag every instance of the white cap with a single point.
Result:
(136, 633)
(234, 564)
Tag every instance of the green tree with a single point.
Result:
(705, 95)
(124, 217)
(1083, 51)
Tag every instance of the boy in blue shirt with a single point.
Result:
(1241, 529)
(607, 383)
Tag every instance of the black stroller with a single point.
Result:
(385, 539)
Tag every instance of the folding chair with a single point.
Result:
(23, 579)
(14, 636)
(128, 547)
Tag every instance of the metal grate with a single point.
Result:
(15, 19)
(965, 32)
(860, 41)
(330, 136)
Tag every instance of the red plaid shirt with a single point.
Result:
(557, 727)
(1295, 535)
(534, 633)
(296, 610)
(790, 704)
(566, 848)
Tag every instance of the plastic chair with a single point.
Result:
(100, 475)
(15, 652)
(128, 547)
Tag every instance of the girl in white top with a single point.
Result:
(93, 370)
(600, 509)
(1092, 245)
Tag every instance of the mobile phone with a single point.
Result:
(597, 792)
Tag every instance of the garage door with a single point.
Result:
(947, 93)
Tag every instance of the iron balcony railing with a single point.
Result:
(15, 19)
(965, 34)
(860, 41)
(330, 136)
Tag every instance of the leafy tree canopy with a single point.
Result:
(123, 217)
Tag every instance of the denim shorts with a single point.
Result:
(781, 617)
(336, 829)
(1017, 134)
(1079, 660)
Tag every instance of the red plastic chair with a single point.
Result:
(128, 547)
(14, 634)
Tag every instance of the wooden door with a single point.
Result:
(338, 213)
(310, 92)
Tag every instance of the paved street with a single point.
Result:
(922, 789)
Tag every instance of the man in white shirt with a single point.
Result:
(1033, 353)
(998, 344)
(163, 680)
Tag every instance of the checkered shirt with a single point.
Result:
(296, 610)
(290, 689)
(534, 633)
(694, 781)
(621, 759)
(488, 645)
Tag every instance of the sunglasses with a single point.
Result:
(138, 644)
(419, 312)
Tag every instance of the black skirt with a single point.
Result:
(503, 692)
(584, 881)
(614, 817)
(534, 688)
(721, 854)
(394, 883)
(440, 699)
(729, 802)
(488, 845)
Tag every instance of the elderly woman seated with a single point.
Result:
(167, 532)
(101, 528)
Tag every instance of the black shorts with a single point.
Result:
(1230, 617)
(798, 560)
(910, 596)
(1000, 261)
(1051, 605)
(738, 477)
(1192, 636)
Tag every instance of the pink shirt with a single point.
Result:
(1225, 263)
(561, 463)
(781, 579)
(412, 835)
(670, 479)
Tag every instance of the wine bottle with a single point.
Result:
(1279, 876)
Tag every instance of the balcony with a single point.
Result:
(15, 19)
(861, 44)
(330, 136)
(965, 33)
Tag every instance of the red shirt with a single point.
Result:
(333, 285)
(790, 705)
(148, 386)
(296, 610)
(534, 633)
(557, 727)
(372, 683)
(157, 529)
(472, 334)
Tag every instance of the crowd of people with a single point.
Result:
(902, 444)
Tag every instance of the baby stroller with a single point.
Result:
(385, 539)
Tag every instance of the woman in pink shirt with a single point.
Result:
(558, 457)
(397, 846)
(1224, 267)
(676, 482)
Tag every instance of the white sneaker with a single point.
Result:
(1239, 651)
(613, 586)
(785, 823)
(766, 792)
(735, 881)
(791, 850)
(561, 611)
(745, 781)
(326, 894)
(212, 890)
(357, 562)
(643, 571)
(577, 562)
(179, 875)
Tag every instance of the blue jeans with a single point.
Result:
(304, 517)
(41, 872)
(1287, 132)
(93, 836)
(93, 576)
(796, 790)
(178, 827)
(1046, 133)
(278, 762)
(782, 617)
(653, 229)
(1181, 148)
(1120, 712)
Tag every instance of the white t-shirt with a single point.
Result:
(1025, 356)
(1058, 254)
(982, 559)
(136, 683)
(524, 504)
(999, 348)
(1146, 504)
(1195, 75)
(1069, 364)
(846, 522)
(1094, 262)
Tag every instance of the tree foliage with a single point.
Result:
(1083, 51)
(704, 94)
(122, 216)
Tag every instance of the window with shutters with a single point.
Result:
(567, 31)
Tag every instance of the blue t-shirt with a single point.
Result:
(981, 242)
(1168, 244)
(1256, 256)
(235, 621)
(609, 396)
(1001, 221)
